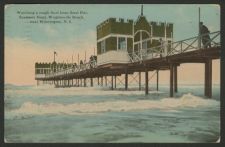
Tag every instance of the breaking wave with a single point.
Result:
(51, 91)
(166, 104)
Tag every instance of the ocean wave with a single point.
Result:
(49, 90)
(29, 109)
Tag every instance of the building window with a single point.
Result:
(144, 45)
(122, 43)
(103, 46)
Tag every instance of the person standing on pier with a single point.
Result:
(204, 32)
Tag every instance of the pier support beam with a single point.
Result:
(126, 81)
(146, 82)
(157, 80)
(115, 82)
(91, 82)
(72, 83)
(102, 81)
(112, 83)
(175, 78)
(85, 82)
(105, 80)
(208, 78)
(139, 81)
(98, 80)
(171, 79)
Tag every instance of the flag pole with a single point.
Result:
(85, 56)
(54, 56)
(72, 59)
(199, 33)
(78, 59)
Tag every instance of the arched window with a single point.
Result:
(141, 38)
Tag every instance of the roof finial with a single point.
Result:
(142, 10)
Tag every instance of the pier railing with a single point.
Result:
(190, 44)
(69, 70)
(178, 47)
(163, 50)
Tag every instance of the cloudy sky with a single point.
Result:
(27, 43)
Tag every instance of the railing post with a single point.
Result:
(181, 47)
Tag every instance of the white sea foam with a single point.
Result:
(49, 90)
(165, 104)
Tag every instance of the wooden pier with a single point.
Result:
(184, 51)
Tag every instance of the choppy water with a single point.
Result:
(47, 114)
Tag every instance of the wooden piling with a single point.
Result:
(171, 80)
(91, 82)
(208, 78)
(175, 78)
(146, 82)
(85, 82)
(157, 80)
(101, 81)
(115, 82)
(139, 81)
(112, 83)
(126, 81)
(105, 80)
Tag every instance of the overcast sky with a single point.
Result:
(27, 43)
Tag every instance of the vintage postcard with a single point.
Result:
(112, 73)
